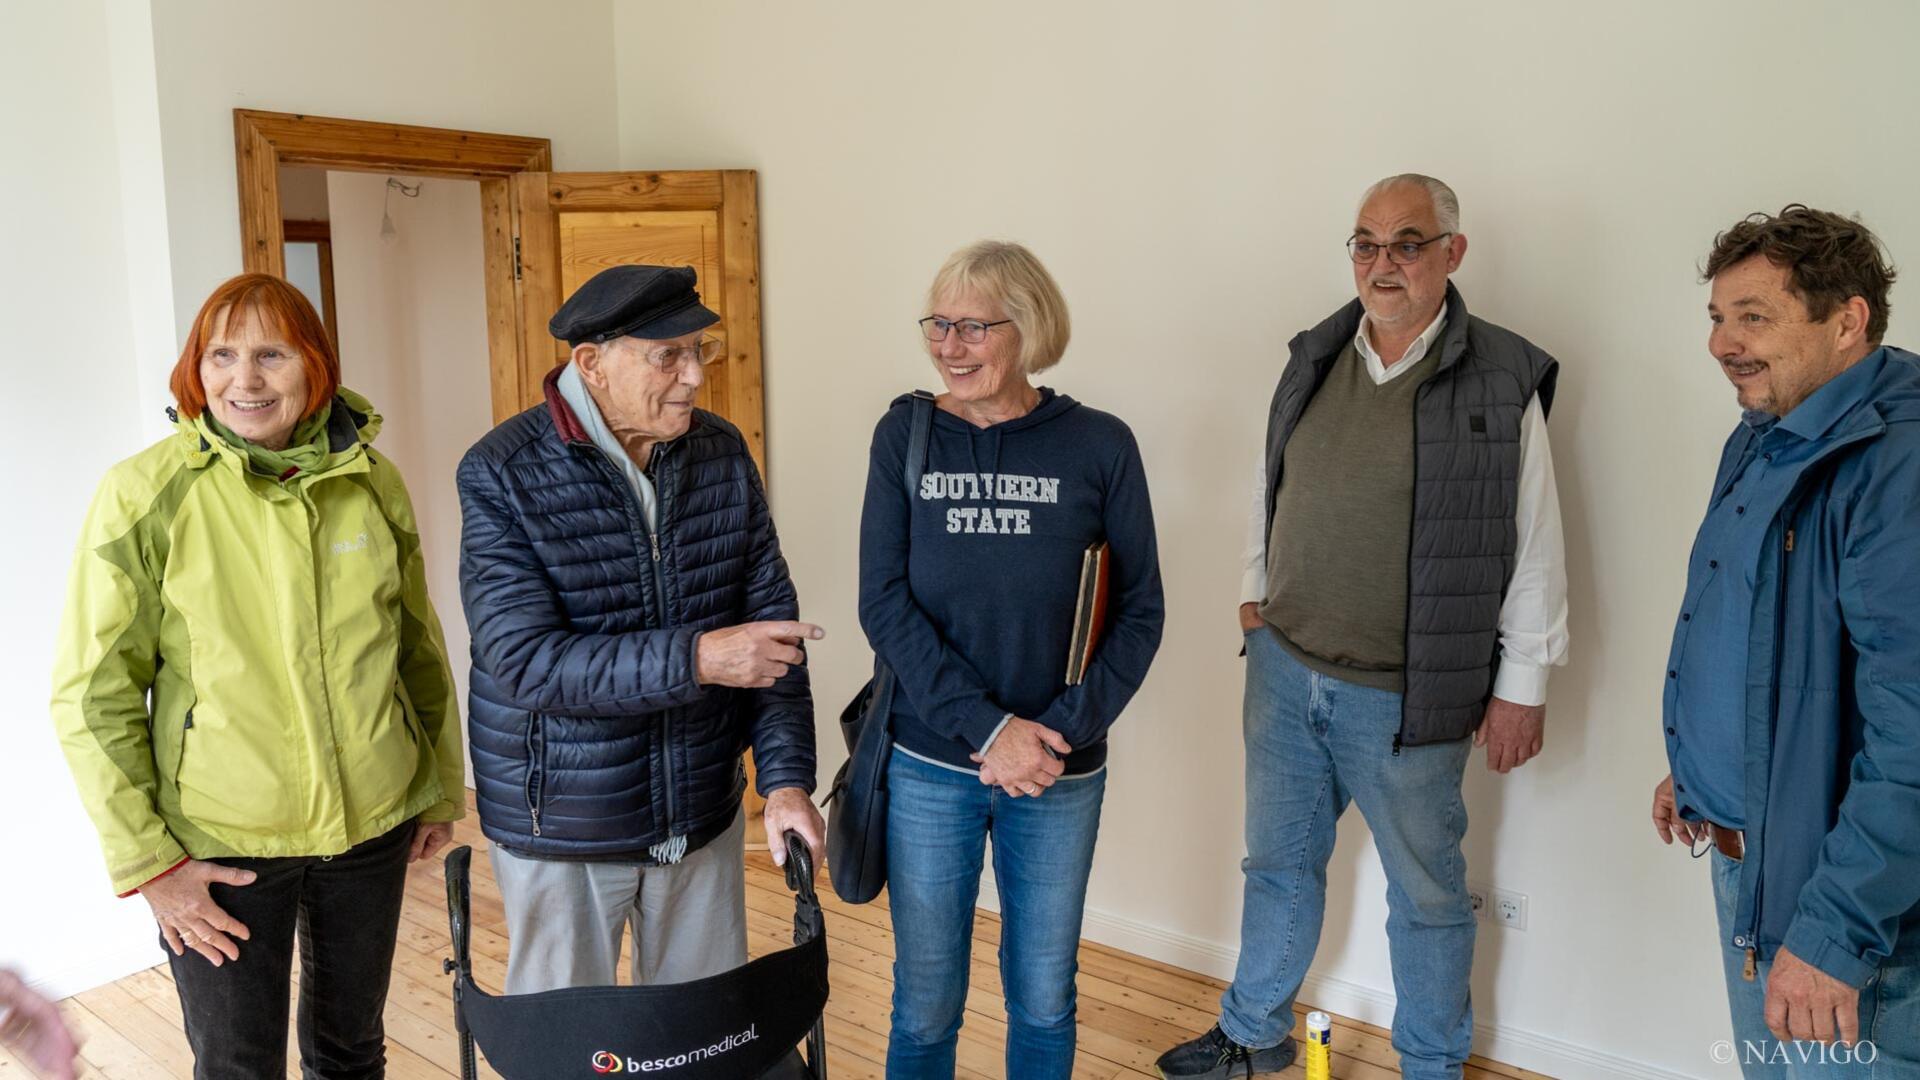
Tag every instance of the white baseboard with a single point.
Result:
(80, 971)
(1512, 1046)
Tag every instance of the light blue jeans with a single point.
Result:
(937, 826)
(1889, 1045)
(1314, 744)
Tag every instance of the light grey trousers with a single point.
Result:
(565, 919)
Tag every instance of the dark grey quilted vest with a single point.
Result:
(1466, 491)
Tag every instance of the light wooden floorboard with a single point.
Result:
(1131, 1008)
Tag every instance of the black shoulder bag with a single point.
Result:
(857, 815)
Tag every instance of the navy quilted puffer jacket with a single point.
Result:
(591, 737)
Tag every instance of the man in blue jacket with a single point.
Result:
(634, 632)
(1792, 705)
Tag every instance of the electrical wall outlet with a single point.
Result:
(1498, 906)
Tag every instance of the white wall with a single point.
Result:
(1189, 173)
(413, 339)
(303, 193)
(506, 66)
(122, 217)
(67, 336)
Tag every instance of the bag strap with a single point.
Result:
(918, 440)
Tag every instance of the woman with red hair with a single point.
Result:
(253, 692)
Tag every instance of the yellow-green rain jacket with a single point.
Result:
(249, 667)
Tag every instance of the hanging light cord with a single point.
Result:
(386, 201)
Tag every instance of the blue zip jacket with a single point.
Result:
(591, 736)
(1832, 789)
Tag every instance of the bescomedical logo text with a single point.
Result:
(606, 1061)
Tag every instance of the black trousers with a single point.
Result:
(344, 911)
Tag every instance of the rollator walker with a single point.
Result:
(747, 1022)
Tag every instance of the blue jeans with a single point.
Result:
(937, 825)
(1889, 1045)
(1314, 744)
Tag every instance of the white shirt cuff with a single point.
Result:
(1520, 682)
(1253, 586)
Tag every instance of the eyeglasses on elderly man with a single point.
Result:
(1404, 252)
(671, 358)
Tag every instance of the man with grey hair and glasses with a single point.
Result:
(1405, 589)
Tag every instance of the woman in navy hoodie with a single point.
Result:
(967, 591)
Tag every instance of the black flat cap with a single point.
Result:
(652, 302)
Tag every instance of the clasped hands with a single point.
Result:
(1024, 759)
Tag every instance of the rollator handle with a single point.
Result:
(799, 864)
(460, 965)
(808, 924)
(459, 918)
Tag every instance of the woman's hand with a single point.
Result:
(1024, 759)
(429, 838)
(188, 917)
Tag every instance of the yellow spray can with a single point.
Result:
(1319, 1046)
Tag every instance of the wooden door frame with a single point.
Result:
(731, 194)
(265, 141)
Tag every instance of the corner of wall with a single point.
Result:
(143, 204)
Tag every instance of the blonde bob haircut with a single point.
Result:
(1009, 275)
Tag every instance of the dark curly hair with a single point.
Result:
(1829, 259)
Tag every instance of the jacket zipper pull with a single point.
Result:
(1789, 539)
(535, 811)
(1751, 967)
(653, 538)
(1396, 746)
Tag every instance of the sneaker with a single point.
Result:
(1214, 1056)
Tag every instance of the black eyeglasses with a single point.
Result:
(972, 331)
(1404, 252)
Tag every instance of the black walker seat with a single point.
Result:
(742, 1023)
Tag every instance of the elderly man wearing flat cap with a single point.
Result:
(634, 631)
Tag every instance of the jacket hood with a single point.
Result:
(1890, 396)
(1894, 397)
(353, 424)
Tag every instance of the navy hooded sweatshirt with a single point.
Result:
(967, 590)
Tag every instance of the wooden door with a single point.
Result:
(571, 226)
(574, 225)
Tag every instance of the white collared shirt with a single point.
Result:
(1533, 615)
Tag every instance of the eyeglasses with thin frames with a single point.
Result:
(671, 358)
(972, 331)
(1404, 252)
